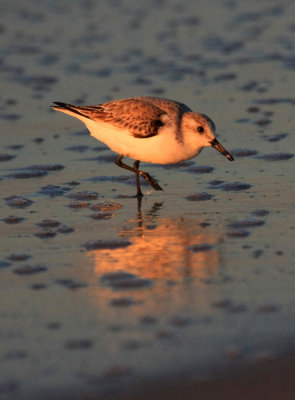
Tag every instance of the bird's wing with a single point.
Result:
(141, 118)
(175, 108)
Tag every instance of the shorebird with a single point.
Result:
(147, 129)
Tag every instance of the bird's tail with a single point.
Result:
(70, 109)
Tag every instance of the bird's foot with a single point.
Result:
(139, 195)
(150, 180)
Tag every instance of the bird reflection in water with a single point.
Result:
(170, 249)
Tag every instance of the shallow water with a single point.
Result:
(101, 294)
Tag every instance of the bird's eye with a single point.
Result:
(200, 129)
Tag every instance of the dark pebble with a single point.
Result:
(48, 59)
(235, 186)
(268, 308)
(263, 122)
(38, 286)
(10, 117)
(15, 146)
(106, 244)
(6, 157)
(4, 264)
(45, 234)
(142, 81)
(19, 257)
(200, 247)
(38, 140)
(79, 344)
(78, 204)
(222, 303)
(164, 334)
(277, 138)
(78, 148)
(102, 216)
(108, 158)
(243, 152)
(80, 133)
(54, 325)
(52, 191)
(84, 196)
(122, 179)
(65, 229)
(18, 201)
(216, 182)
(253, 109)
(124, 280)
(248, 223)
(183, 164)
(242, 120)
(237, 308)
(276, 157)
(99, 148)
(106, 206)
(12, 219)
(257, 253)
(71, 284)
(27, 174)
(157, 91)
(73, 183)
(251, 85)
(48, 223)
(45, 167)
(225, 77)
(199, 197)
(16, 355)
(122, 302)
(29, 269)
(200, 169)
(238, 234)
(260, 213)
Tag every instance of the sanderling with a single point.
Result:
(147, 129)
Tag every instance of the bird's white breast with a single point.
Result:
(162, 148)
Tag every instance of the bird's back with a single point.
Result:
(169, 106)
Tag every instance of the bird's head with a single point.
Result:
(199, 130)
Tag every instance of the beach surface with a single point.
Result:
(188, 294)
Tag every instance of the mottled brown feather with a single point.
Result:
(141, 118)
(171, 107)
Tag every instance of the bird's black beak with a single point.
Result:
(216, 145)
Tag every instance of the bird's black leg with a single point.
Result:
(136, 166)
(138, 172)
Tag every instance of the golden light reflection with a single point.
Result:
(162, 248)
(176, 255)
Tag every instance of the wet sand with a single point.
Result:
(271, 381)
(191, 291)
